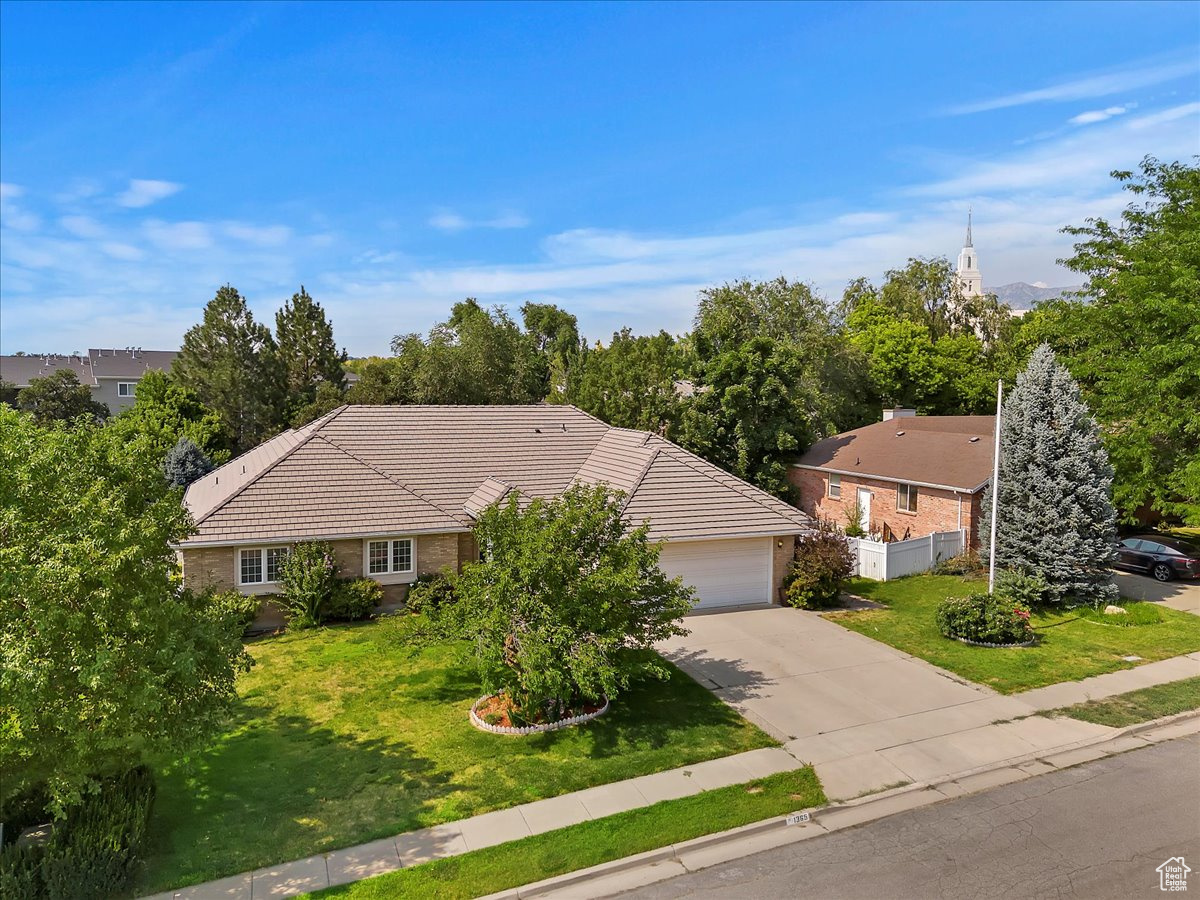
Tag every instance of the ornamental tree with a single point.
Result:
(59, 397)
(105, 660)
(1056, 516)
(566, 605)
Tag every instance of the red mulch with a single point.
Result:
(499, 707)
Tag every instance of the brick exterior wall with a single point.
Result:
(937, 510)
(213, 567)
(781, 559)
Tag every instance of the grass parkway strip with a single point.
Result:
(590, 843)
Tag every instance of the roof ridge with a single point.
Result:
(741, 482)
(641, 476)
(392, 478)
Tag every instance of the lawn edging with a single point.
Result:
(647, 868)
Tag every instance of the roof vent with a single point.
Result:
(537, 431)
(899, 434)
(564, 426)
(974, 440)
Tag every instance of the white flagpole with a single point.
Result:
(995, 491)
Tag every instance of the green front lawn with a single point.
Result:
(591, 843)
(340, 737)
(1137, 706)
(1071, 644)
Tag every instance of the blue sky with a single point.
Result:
(612, 158)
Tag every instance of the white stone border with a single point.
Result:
(969, 642)
(532, 729)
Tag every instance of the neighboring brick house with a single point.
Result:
(913, 474)
(396, 491)
(112, 375)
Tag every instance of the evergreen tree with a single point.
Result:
(185, 462)
(308, 354)
(231, 363)
(1056, 516)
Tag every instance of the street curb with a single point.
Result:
(869, 808)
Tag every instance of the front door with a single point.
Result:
(864, 506)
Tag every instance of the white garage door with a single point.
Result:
(724, 573)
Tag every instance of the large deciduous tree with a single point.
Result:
(308, 353)
(1133, 340)
(772, 374)
(566, 605)
(165, 412)
(1055, 516)
(59, 397)
(231, 363)
(105, 661)
(634, 382)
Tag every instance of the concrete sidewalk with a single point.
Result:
(922, 747)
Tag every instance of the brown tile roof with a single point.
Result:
(939, 451)
(408, 469)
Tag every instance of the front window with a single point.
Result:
(276, 557)
(906, 498)
(390, 557)
(261, 565)
(251, 571)
(126, 388)
(835, 485)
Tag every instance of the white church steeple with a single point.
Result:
(969, 279)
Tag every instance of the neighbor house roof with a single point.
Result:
(417, 469)
(99, 363)
(952, 452)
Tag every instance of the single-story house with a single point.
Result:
(396, 490)
(916, 475)
(112, 374)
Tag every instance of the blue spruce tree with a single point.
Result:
(185, 462)
(1056, 515)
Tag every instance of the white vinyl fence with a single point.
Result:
(883, 562)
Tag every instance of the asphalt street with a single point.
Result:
(1099, 830)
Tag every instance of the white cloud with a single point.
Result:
(451, 221)
(1174, 114)
(9, 191)
(12, 214)
(122, 251)
(1103, 84)
(178, 235)
(82, 226)
(1098, 115)
(143, 192)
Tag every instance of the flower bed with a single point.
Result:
(1028, 643)
(492, 713)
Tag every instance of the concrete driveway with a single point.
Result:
(865, 714)
(796, 675)
(1182, 595)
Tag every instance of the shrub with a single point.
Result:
(309, 578)
(185, 462)
(987, 618)
(93, 849)
(241, 608)
(353, 599)
(431, 591)
(820, 566)
(854, 521)
(1024, 588)
(967, 564)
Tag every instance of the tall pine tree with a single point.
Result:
(231, 363)
(307, 351)
(1056, 516)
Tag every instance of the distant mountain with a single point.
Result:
(1021, 295)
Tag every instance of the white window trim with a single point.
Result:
(389, 577)
(829, 486)
(132, 388)
(256, 587)
(910, 494)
